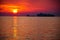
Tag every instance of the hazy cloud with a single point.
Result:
(51, 5)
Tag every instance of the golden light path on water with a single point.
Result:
(15, 27)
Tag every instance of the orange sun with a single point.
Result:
(15, 11)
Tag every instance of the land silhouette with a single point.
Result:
(27, 14)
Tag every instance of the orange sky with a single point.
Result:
(28, 5)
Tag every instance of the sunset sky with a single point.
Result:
(29, 5)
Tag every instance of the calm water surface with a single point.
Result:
(29, 28)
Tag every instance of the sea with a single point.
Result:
(29, 28)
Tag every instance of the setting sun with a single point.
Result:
(15, 11)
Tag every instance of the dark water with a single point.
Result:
(29, 28)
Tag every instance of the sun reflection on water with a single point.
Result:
(15, 27)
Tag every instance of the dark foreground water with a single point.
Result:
(29, 28)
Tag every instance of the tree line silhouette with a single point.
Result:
(25, 14)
